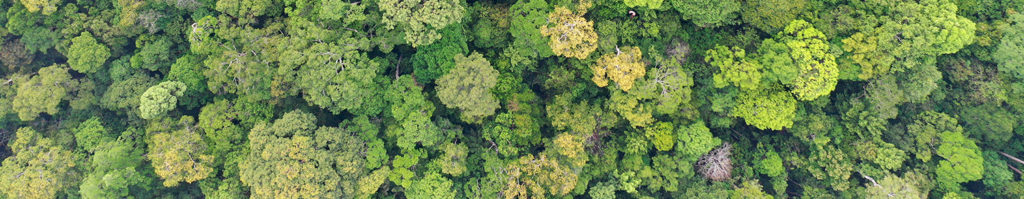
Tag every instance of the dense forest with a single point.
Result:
(511, 99)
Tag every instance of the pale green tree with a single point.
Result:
(161, 98)
(86, 55)
(421, 19)
(467, 87)
(42, 93)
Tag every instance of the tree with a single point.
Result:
(467, 87)
(530, 177)
(734, 68)
(293, 158)
(910, 34)
(623, 67)
(766, 109)
(708, 13)
(892, 186)
(453, 160)
(161, 98)
(86, 55)
(434, 60)
(652, 4)
(926, 129)
(152, 55)
(528, 18)
(1011, 46)
(124, 96)
(717, 165)
(42, 93)
(818, 72)
(46, 6)
(38, 168)
(662, 136)
(117, 169)
(572, 35)
(421, 19)
(91, 134)
(338, 77)
(769, 163)
(771, 15)
(750, 189)
(188, 70)
(177, 151)
(431, 186)
(864, 51)
(695, 140)
(962, 160)
(412, 112)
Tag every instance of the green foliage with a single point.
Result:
(90, 134)
(176, 149)
(734, 68)
(749, 189)
(769, 163)
(766, 109)
(86, 55)
(817, 69)
(467, 87)
(161, 98)
(46, 6)
(652, 4)
(188, 70)
(1007, 55)
(892, 186)
(431, 186)
(467, 99)
(695, 140)
(412, 113)
(772, 15)
(337, 78)
(662, 135)
(154, 55)
(434, 60)
(42, 93)
(962, 160)
(910, 34)
(421, 19)
(117, 169)
(708, 13)
(324, 161)
(528, 17)
(38, 167)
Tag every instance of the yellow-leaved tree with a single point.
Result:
(623, 67)
(571, 34)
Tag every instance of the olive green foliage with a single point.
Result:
(325, 160)
(421, 19)
(38, 168)
(734, 68)
(161, 98)
(511, 99)
(766, 109)
(1007, 55)
(467, 87)
(42, 93)
(772, 15)
(177, 151)
(708, 13)
(86, 55)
